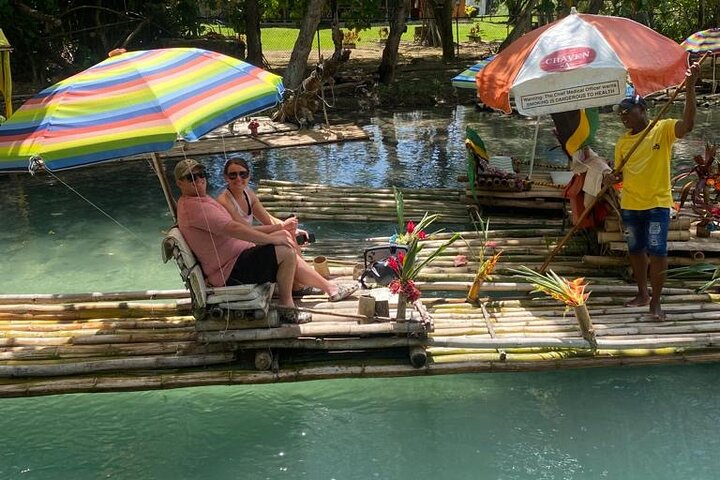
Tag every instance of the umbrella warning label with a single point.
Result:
(593, 93)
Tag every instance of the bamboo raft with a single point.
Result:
(544, 195)
(238, 138)
(101, 342)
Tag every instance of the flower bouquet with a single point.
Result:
(407, 266)
(703, 191)
(486, 266)
(570, 292)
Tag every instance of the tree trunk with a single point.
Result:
(398, 13)
(522, 26)
(442, 11)
(252, 33)
(298, 59)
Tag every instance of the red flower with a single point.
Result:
(401, 258)
(393, 263)
(410, 227)
(411, 291)
(422, 235)
(395, 286)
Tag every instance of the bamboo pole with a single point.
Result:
(618, 169)
(48, 369)
(234, 376)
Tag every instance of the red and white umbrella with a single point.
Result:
(580, 61)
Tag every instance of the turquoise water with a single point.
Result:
(610, 423)
(658, 423)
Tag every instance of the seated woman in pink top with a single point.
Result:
(244, 206)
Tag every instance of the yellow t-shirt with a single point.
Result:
(646, 175)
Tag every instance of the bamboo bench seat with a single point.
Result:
(245, 303)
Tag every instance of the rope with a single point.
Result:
(95, 206)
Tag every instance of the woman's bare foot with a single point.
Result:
(639, 301)
(656, 310)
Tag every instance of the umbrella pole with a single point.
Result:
(160, 172)
(532, 155)
(605, 188)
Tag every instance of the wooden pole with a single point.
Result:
(160, 172)
(617, 170)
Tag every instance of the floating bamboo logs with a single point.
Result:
(600, 261)
(70, 298)
(263, 360)
(673, 235)
(58, 368)
(335, 343)
(418, 356)
(313, 329)
(612, 224)
(232, 376)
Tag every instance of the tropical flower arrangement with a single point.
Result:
(486, 266)
(704, 189)
(570, 292)
(407, 266)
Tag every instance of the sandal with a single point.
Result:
(344, 291)
(301, 292)
(293, 316)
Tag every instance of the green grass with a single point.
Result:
(283, 38)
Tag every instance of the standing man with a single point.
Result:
(646, 197)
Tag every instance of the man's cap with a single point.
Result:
(186, 166)
(627, 103)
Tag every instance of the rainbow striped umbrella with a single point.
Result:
(703, 41)
(466, 79)
(136, 102)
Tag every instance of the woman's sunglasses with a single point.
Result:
(190, 177)
(234, 175)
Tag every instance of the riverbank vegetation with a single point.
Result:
(53, 39)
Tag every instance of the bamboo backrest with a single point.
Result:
(174, 246)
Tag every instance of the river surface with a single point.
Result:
(633, 423)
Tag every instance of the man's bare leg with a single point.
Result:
(658, 267)
(639, 264)
(287, 264)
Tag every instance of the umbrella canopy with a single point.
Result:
(580, 61)
(466, 79)
(135, 102)
(703, 41)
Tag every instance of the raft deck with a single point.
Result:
(52, 344)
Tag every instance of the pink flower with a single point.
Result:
(460, 260)
(410, 227)
(395, 286)
(422, 235)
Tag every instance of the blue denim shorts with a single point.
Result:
(647, 230)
